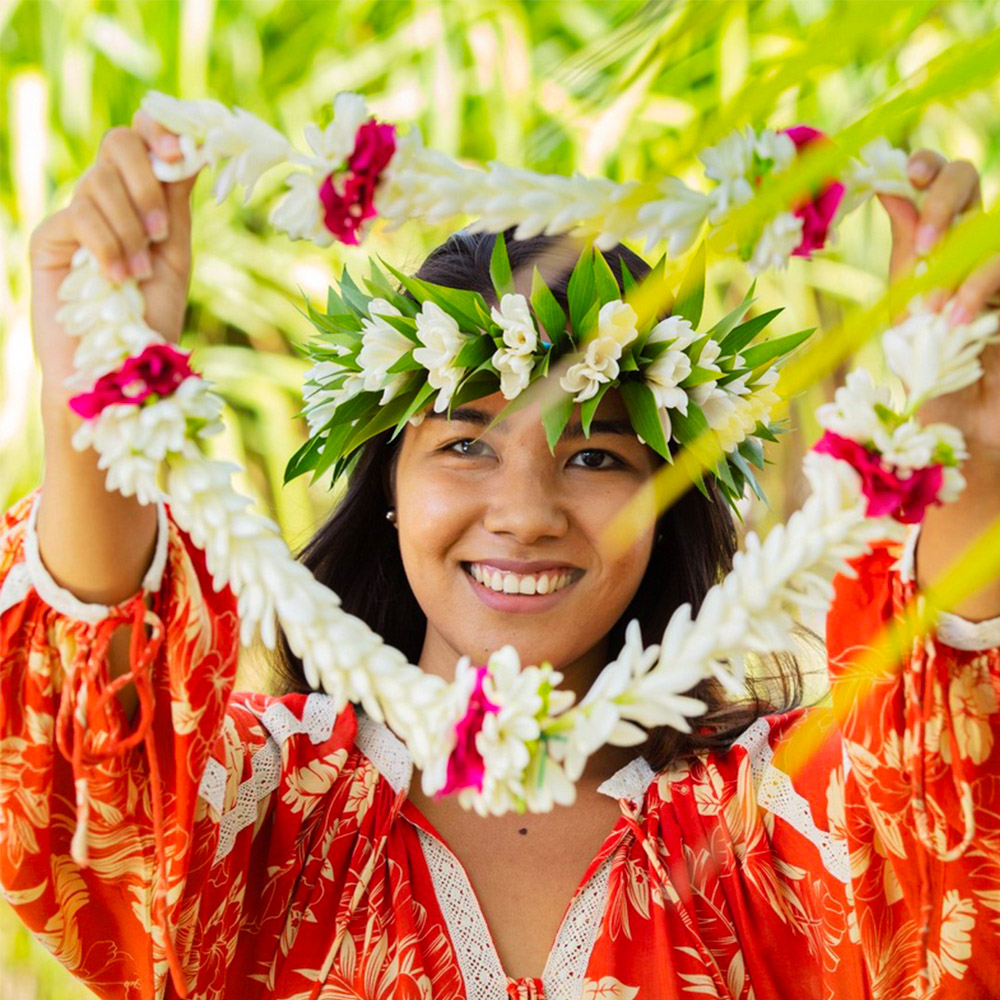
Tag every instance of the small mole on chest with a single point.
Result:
(523, 830)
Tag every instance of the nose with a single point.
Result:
(526, 504)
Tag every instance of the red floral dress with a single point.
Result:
(244, 846)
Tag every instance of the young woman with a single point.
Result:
(252, 846)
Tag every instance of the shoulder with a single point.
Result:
(280, 755)
(778, 778)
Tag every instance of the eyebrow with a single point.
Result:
(481, 418)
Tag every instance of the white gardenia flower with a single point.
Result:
(599, 365)
(777, 241)
(777, 147)
(299, 213)
(911, 446)
(717, 403)
(933, 357)
(248, 147)
(731, 157)
(382, 345)
(515, 371)
(326, 387)
(664, 376)
(616, 329)
(514, 318)
(334, 144)
(617, 321)
(852, 414)
(676, 331)
(442, 340)
(211, 133)
(676, 217)
(879, 168)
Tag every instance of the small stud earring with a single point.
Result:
(390, 515)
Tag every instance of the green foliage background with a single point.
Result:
(624, 89)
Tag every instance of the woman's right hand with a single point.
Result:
(136, 225)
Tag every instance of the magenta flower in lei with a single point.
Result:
(906, 500)
(466, 767)
(157, 371)
(817, 212)
(345, 210)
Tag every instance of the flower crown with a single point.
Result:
(385, 358)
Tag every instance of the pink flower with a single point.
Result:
(466, 768)
(157, 371)
(905, 500)
(346, 209)
(816, 213)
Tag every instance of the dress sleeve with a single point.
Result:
(922, 787)
(98, 813)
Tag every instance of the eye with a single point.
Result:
(597, 458)
(470, 447)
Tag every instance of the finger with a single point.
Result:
(127, 151)
(923, 166)
(903, 217)
(92, 230)
(104, 186)
(162, 141)
(955, 189)
(971, 299)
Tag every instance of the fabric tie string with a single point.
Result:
(73, 725)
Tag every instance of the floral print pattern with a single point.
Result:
(300, 874)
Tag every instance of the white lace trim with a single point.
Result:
(213, 785)
(16, 585)
(388, 753)
(629, 782)
(318, 718)
(482, 972)
(777, 794)
(566, 966)
(60, 599)
(953, 630)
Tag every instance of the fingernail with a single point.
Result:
(926, 238)
(156, 225)
(960, 315)
(167, 145)
(140, 265)
(117, 271)
(919, 170)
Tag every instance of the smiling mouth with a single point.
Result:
(527, 584)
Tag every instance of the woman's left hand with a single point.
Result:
(951, 189)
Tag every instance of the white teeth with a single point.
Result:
(515, 583)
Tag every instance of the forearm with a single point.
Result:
(95, 543)
(949, 531)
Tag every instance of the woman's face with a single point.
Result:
(502, 541)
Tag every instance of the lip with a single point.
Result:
(518, 603)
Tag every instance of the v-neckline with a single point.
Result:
(478, 956)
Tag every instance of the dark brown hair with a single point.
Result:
(356, 552)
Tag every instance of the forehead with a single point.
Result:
(610, 409)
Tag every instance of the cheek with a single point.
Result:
(432, 519)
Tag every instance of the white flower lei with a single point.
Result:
(533, 740)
